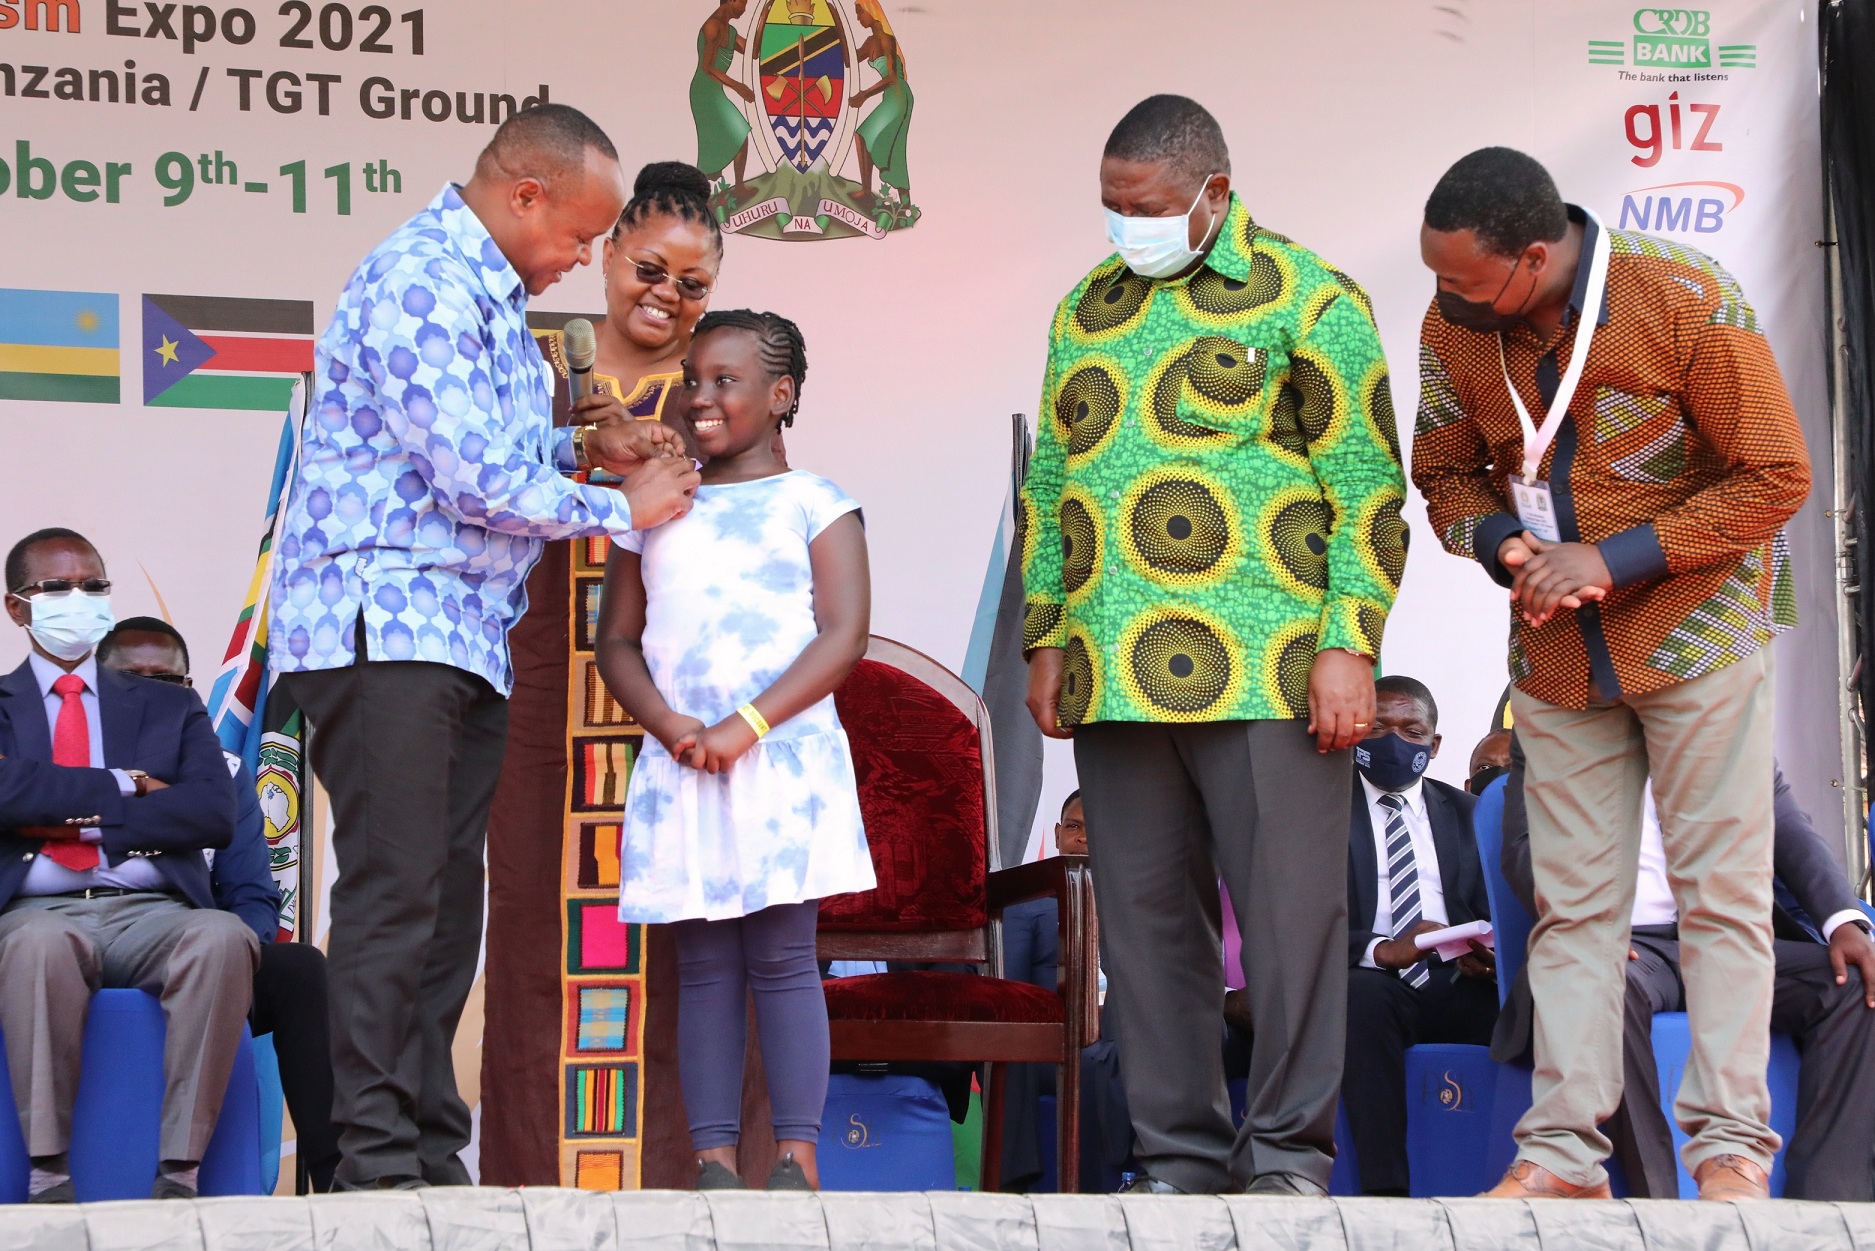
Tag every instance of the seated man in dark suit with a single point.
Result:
(1823, 997)
(1032, 954)
(290, 985)
(1412, 868)
(111, 787)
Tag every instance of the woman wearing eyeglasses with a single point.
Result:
(660, 264)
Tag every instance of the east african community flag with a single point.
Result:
(203, 351)
(58, 345)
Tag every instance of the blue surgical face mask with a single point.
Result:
(70, 625)
(1390, 762)
(1157, 247)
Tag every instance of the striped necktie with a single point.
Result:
(1403, 881)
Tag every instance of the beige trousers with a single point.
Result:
(1706, 743)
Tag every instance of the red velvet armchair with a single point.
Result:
(927, 791)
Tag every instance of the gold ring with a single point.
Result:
(1360, 725)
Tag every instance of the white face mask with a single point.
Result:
(1157, 247)
(70, 625)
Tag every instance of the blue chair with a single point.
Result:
(272, 1111)
(885, 1132)
(1671, 1035)
(118, 1115)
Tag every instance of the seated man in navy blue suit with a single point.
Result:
(1412, 868)
(1823, 997)
(1032, 954)
(290, 986)
(111, 787)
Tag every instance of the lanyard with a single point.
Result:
(1535, 441)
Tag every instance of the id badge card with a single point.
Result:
(1535, 508)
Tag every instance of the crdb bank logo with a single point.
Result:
(1680, 207)
(1679, 39)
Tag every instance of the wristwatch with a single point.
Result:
(581, 460)
(140, 779)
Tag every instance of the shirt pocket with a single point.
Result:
(1218, 391)
(1640, 437)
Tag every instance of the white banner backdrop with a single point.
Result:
(268, 148)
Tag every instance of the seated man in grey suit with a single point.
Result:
(1824, 997)
(1412, 868)
(110, 789)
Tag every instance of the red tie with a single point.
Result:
(71, 747)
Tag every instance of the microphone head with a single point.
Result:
(582, 346)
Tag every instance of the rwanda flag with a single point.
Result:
(202, 351)
(58, 345)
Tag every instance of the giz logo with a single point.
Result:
(1645, 133)
(1672, 21)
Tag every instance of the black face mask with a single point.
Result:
(1484, 777)
(1482, 315)
(1390, 762)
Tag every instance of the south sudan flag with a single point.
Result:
(58, 345)
(202, 351)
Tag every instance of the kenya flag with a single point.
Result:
(202, 351)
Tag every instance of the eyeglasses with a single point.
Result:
(174, 679)
(652, 274)
(53, 588)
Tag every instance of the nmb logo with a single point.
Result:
(1678, 208)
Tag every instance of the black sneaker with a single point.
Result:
(58, 1192)
(713, 1176)
(788, 1175)
(168, 1187)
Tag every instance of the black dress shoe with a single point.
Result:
(1288, 1184)
(167, 1187)
(60, 1192)
(392, 1181)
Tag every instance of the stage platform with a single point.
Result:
(573, 1220)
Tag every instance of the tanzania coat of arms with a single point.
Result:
(804, 92)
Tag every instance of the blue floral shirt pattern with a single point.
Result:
(430, 472)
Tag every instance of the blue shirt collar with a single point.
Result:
(496, 273)
(46, 673)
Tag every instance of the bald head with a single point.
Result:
(545, 187)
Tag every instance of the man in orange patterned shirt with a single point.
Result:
(1602, 426)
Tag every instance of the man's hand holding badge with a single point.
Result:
(1550, 574)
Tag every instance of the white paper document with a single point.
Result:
(1455, 940)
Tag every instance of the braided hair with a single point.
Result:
(670, 189)
(784, 353)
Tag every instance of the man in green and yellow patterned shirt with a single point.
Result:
(1211, 541)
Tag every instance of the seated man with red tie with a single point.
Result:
(1413, 867)
(110, 789)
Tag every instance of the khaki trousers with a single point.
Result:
(1706, 743)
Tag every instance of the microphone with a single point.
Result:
(582, 349)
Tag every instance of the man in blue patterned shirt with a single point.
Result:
(430, 477)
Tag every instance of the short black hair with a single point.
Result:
(670, 189)
(1175, 130)
(784, 352)
(142, 625)
(1411, 688)
(542, 142)
(16, 559)
(1072, 796)
(1504, 197)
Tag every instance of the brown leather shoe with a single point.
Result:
(1723, 1177)
(1525, 1180)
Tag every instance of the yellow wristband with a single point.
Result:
(755, 719)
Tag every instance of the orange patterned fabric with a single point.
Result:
(1681, 458)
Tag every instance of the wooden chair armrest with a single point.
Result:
(1034, 880)
(1068, 880)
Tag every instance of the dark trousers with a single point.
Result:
(409, 752)
(290, 1004)
(1385, 1017)
(1831, 1156)
(1170, 810)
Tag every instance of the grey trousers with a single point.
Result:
(409, 752)
(1170, 810)
(1832, 1151)
(55, 951)
(1706, 744)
